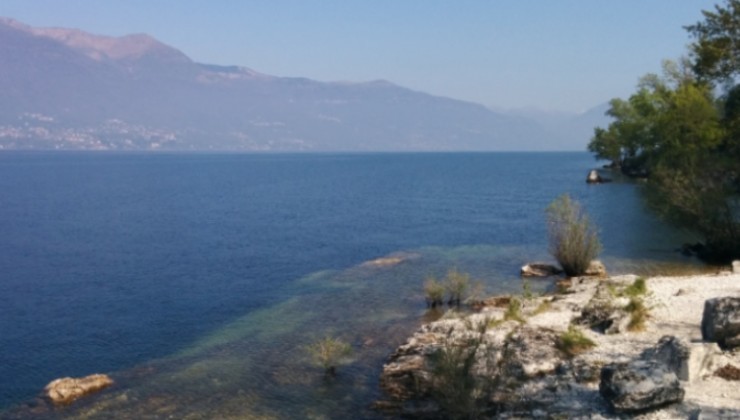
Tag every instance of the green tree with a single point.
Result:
(716, 51)
(574, 241)
(675, 130)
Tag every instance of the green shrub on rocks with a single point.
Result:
(573, 238)
(459, 393)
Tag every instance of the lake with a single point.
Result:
(197, 280)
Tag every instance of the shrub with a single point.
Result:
(573, 239)
(573, 342)
(457, 284)
(434, 291)
(459, 392)
(328, 353)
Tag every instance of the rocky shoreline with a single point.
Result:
(599, 348)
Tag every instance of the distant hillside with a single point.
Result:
(67, 89)
(570, 130)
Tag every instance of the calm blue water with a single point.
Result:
(121, 263)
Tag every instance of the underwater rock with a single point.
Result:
(65, 390)
(390, 260)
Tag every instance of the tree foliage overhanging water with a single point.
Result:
(682, 131)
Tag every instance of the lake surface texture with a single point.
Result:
(197, 280)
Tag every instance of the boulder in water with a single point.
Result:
(594, 178)
(539, 270)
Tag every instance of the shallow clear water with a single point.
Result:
(196, 280)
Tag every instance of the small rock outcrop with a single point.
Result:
(637, 386)
(594, 178)
(529, 353)
(65, 390)
(539, 270)
(720, 322)
(596, 269)
(673, 353)
(604, 314)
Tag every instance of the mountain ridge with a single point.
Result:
(68, 89)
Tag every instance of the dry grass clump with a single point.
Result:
(728, 372)
(638, 314)
(574, 342)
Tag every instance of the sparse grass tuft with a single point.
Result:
(514, 311)
(460, 394)
(493, 323)
(573, 342)
(543, 307)
(638, 314)
(637, 288)
(527, 293)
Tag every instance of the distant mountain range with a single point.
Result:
(68, 89)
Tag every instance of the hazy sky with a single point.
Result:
(566, 55)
